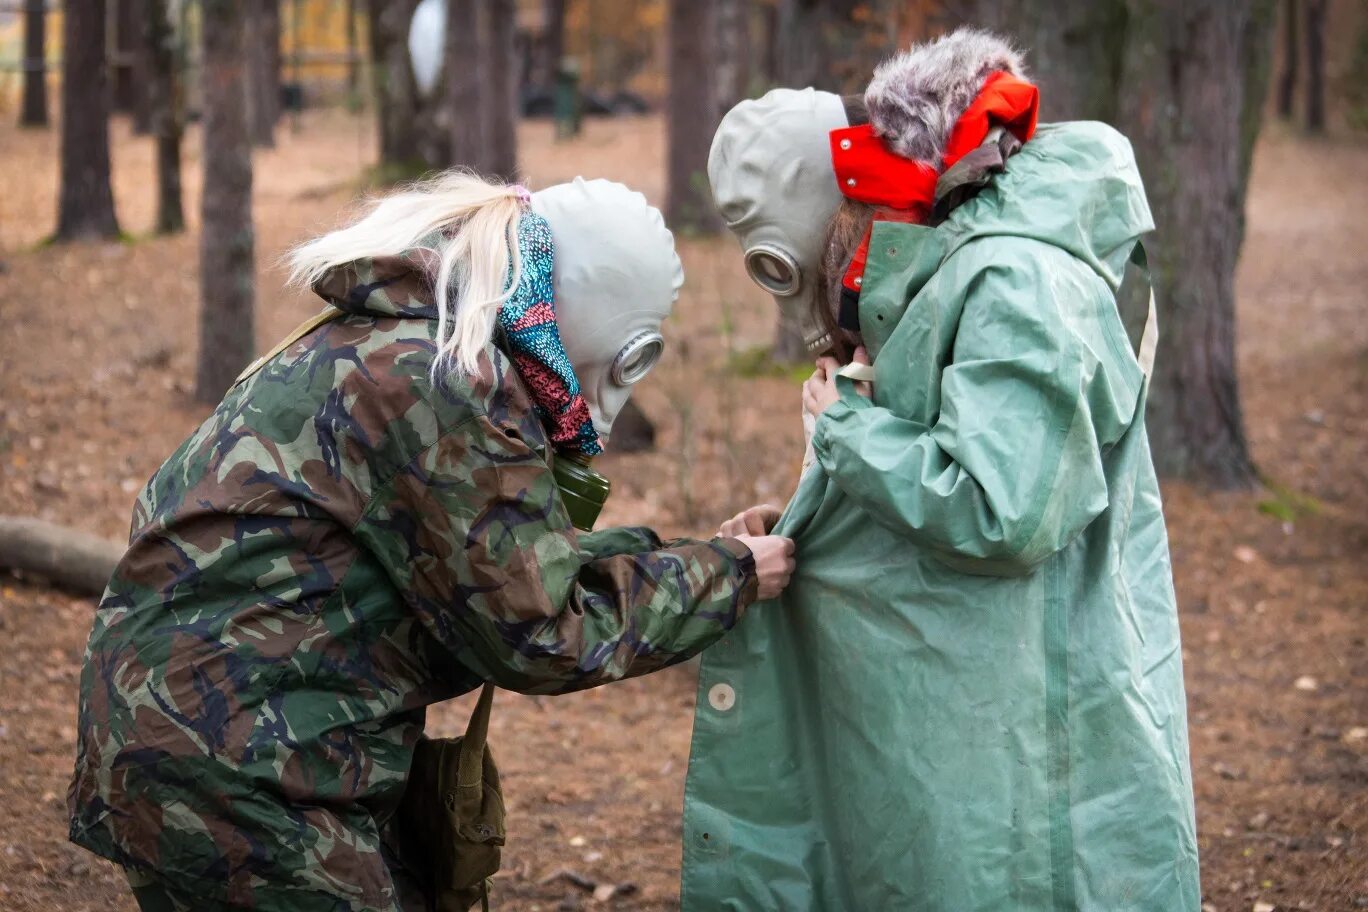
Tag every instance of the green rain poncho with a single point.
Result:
(971, 696)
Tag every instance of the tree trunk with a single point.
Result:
(1287, 82)
(1074, 50)
(732, 55)
(166, 112)
(264, 62)
(141, 69)
(226, 258)
(34, 112)
(1315, 65)
(396, 95)
(691, 116)
(466, 118)
(125, 51)
(553, 39)
(86, 205)
(1189, 110)
(501, 88)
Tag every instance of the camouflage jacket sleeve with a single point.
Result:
(474, 533)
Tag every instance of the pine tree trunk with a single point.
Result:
(226, 244)
(125, 40)
(34, 111)
(1074, 49)
(396, 95)
(141, 68)
(1191, 113)
(466, 117)
(165, 112)
(1287, 82)
(86, 203)
(732, 53)
(264, 63)
(501, 85)
(1315, 65)
(691, 116)
(353, 55)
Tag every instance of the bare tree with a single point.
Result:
(691, 115)
(1287, 82)
(166, 110)
(85, 206)
(466, 117)
(34, 111)
(396, 96)
(226, 244)
(1193, 123)
(264, 63)
(1315, 65)
(500, 62)
(733, 52)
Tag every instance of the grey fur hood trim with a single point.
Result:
(916, 97)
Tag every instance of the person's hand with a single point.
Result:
(755, 521)
(773, 562)
(819, 392)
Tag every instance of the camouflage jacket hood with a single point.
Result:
(340, 544)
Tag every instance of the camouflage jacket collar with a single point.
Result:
(390, 286)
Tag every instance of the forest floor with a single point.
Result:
(96, 360)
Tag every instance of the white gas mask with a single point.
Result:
(616, 278)
(772, 179)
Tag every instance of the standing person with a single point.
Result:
(368, 524)
(998, 722)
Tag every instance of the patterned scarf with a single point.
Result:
(532, 340)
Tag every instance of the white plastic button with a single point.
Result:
(845, 144)
(850, 181)
(721, 697)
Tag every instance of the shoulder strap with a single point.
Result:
(473, 744)
(303, 329)
(1135, 300)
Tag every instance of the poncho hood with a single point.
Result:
(1075, 186)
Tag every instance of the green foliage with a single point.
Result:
(1287, 505)
(759, 361)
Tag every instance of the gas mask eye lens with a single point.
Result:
(637, 358)
(773, 270)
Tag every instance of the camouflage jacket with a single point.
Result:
(339, 545)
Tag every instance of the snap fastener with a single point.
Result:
(859, 280)
(850, 181)
(845, 144)
(721, 697)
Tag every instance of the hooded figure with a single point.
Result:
(368, 524)
(971, 696)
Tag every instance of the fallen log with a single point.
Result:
(73, 560)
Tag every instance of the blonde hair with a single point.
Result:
(477, 222)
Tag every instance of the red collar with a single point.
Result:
(905, 189)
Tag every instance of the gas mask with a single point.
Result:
(772, 179)
(616, 278)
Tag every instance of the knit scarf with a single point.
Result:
(532, 339)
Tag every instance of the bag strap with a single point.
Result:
(328, 314)
(1135, 283)
(473, 744)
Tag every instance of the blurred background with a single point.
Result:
(157, 157)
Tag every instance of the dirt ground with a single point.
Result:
(96, 359)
